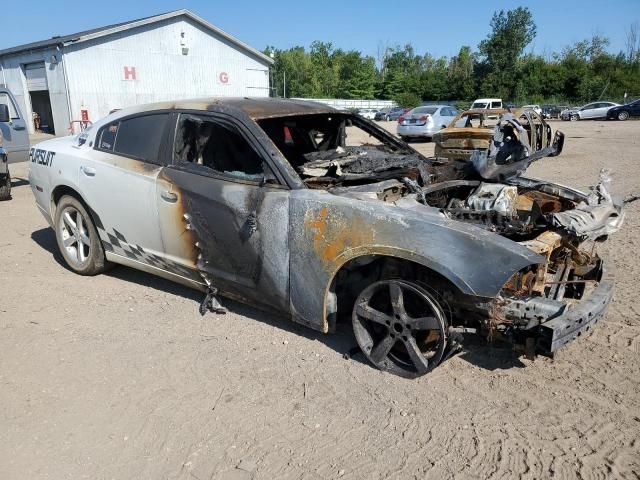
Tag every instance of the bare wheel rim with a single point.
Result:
(74, 234)
(400, 327)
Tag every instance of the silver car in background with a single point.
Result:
(425, 121)
(589, 111)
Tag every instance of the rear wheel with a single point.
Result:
(623, 115)
(5, 187)
(400, 327)
(77, 238)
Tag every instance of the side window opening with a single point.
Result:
(5, 99)
(108, 136)
(218, 146)
(136, 137)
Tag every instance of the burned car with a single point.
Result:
(473, 130)
(324, 217)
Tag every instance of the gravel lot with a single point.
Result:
(118, 376)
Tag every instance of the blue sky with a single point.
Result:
(436, 27)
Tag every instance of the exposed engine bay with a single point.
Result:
(486, 189)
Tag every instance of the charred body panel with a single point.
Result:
(234, 235)
(502, 148)
(327, 232)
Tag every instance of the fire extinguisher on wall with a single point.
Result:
(83, 123)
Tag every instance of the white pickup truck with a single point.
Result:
(14, 140)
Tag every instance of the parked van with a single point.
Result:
(486, 103)
(14, 139)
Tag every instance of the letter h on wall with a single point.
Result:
(129, 73)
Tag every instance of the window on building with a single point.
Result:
(217, 146)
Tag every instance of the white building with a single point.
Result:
(164, 57)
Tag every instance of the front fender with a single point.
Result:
(327, 231)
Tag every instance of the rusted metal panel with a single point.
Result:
(328, 230)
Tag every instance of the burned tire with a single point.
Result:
(623, 115)
(400, 327)
(574, 117)
(78, 238)
(5, 187)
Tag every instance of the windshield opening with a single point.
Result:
(340, 149)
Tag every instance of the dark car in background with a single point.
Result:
(623, 112)
(395, 113)
(382, 113)
(552, 111)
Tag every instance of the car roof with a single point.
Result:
(255, 107)
(485, 111)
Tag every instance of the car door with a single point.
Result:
(634, 108)
(16, 136)
(222, 210)
(117, 179)
(588, 111)
(601, 109)
(449, 114)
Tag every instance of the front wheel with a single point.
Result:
(400, 327)
(77, 238)
(623, 115)
(5, 187)
(575, 117)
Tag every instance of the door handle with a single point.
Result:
(88, 171)
(19, 127)
(168, 196)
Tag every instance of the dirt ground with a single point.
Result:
(119, 377)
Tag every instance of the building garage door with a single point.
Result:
(36, 76)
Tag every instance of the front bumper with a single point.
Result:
(577, 320)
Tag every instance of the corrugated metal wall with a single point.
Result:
(147, 65)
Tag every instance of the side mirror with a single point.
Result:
(4, 113)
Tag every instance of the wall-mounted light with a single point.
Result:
(183, 44)
(53, 59)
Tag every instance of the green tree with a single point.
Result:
(511, 32)
(460, 74)
(357, 76)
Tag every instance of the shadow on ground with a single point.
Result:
(343, 341)
(18, 182)
(475, 350)
(498, 356)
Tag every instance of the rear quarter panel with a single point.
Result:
(51, 164)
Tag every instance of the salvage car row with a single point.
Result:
(273, 203)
